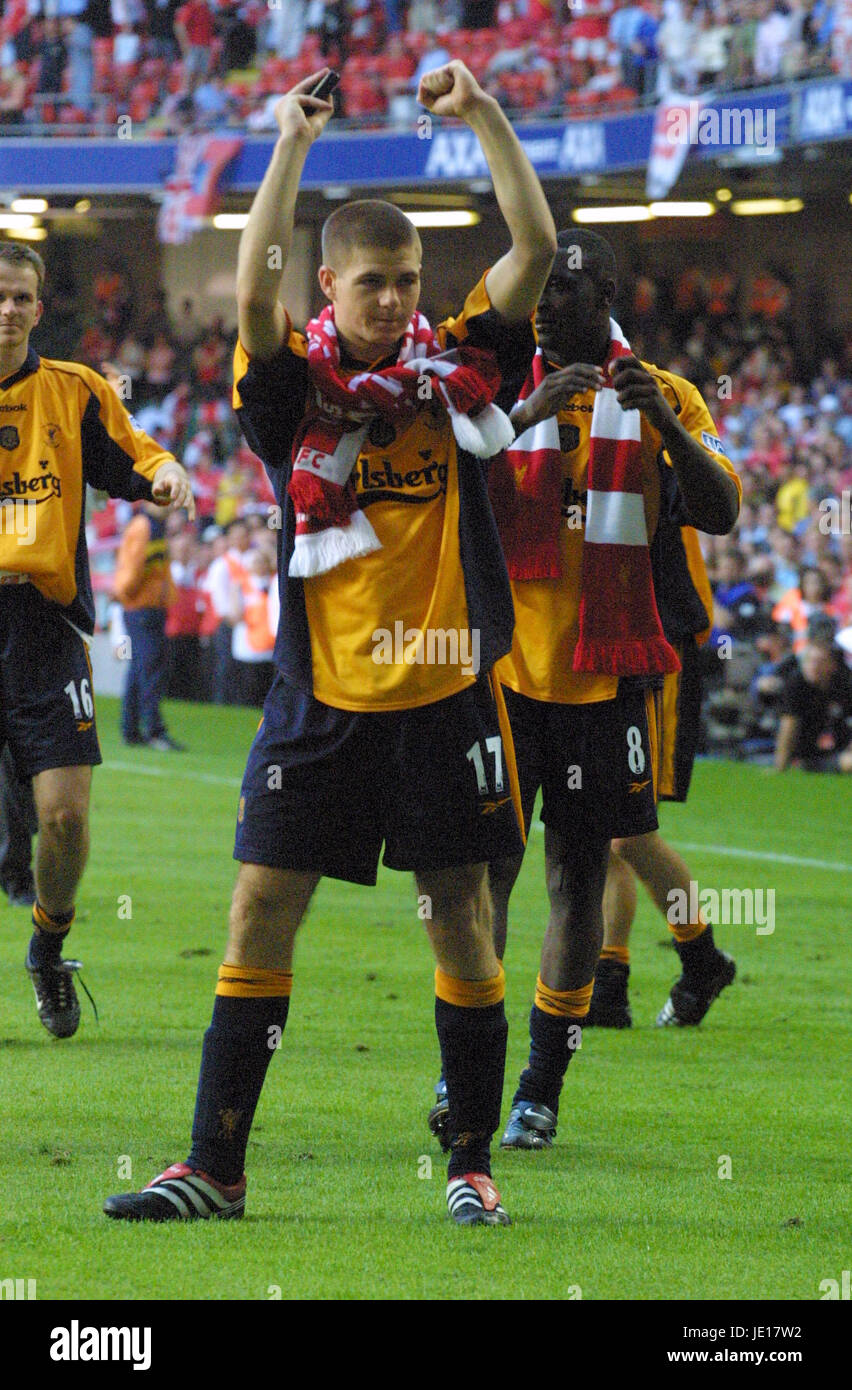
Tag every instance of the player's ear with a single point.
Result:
(607, 290)
(327, 281)
(39, 311)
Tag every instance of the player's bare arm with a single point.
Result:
(554, 393)
(710, 494)
(515, 283)
(301, 119)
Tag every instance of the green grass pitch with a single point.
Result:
(346, 1186)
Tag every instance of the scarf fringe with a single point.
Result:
(318, 551)
(647, 656)
(483, 435)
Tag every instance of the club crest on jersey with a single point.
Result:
(9, 437)
(712, 443)
(569, 438)
(381, 433)
(435, 417)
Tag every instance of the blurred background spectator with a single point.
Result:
(815, 728)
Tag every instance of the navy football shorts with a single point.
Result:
(47, 711)
(324, 788)
(677, 707)
(593, 763)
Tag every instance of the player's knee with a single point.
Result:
(575, 881)
(459, 897)
(638, 851)
(269, 900)
(65, 822)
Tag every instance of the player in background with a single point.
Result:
(685, 602)
(144, 587)
(606, 445)
(222, 585)
(375, 432)
(815, 728)
(61, 427)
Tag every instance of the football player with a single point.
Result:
(606, 445)
(61, 426)
(685, 602)
(375, 430)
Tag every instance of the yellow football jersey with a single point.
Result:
(397, 628)
(62, 426)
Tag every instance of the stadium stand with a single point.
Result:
(74, 67)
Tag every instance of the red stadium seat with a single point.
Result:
(124, 79)
(363, 97)
(73, 115)
(577, 101)
(155, 68)
(620, 96)
(418, 43)
(102, 59)
(140, 108)
(397, 69)
(517, 32)
(142, 101)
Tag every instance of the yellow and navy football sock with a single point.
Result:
(470, 1017)
(442, 1081)
(695, 945)
(619, 953)
(249, 1016)
(50, 930)
(554, 1019)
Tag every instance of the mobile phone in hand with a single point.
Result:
(325, 86)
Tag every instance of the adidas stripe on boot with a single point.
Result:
(180, 1193)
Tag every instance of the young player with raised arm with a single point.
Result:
(375, 430)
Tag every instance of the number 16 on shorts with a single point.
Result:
(82, 704)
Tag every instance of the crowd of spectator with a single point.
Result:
(782, 582)
(176, 65)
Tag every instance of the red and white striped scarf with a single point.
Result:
(620, 629)
(330, 528)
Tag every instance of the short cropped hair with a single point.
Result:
(597, 257)
(18, 253)
(366, 225)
